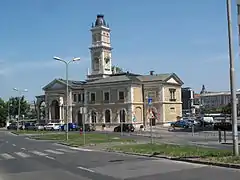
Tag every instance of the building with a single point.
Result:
(187, 100)
(109, 97)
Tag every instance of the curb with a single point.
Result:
(188, 159)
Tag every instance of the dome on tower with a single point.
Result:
(100, 20)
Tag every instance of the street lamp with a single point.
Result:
(20, 91)
(232, 81)
(67, 93)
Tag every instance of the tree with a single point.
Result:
(118, 69)
(14, 104)
(227, 109)
(3, 113)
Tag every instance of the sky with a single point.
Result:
(186, 37)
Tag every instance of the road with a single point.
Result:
(25, 159)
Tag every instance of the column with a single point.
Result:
(130, 105)
(49, 112)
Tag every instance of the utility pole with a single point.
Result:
(232, 82)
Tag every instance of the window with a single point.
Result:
(120, 95)
(83, 97)
(80, 97)
(93, 97)
(106, 96)
(172, 94)
(238, 9)
(74, 98)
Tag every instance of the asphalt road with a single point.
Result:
(25, 159)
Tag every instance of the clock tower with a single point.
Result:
(101, 62)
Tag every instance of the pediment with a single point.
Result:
(172, 80)
(54, 85)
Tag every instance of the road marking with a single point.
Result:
(6, 141)
(66, 150)
(49, 157)
(14, 144)
(23, 149)
(85, 169)
(7, 156)
(22, 154)
(81, 149)
(38, 153)
(54, 152)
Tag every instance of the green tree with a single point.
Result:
(118, 69)
(3, 113)
(14, 104)
(227, 109)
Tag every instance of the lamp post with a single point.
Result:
(232, 81)
(67, 91)
(20, 91)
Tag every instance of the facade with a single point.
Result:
(187, 100)
(110, 97)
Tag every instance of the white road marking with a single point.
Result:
(14, 144)
(22, 154)
(66, 150)
(81, 149)
(23, 149)
(49, 157)
(6, 141)
(38, 153)
(85, 169)
(54, 152)
(7, 156)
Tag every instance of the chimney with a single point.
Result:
(151, 73)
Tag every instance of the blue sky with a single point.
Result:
(185, 37)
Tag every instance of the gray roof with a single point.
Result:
(123, 77)
(73, 83)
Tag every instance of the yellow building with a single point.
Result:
(110, 97)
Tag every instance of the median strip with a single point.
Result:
(188, 153)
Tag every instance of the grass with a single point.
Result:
(172, 150)
(30, 132)
(78, 140)
(226, 159)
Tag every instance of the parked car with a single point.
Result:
(40, 127)
(181, 124)
(30, 126)
(12, 126)
(71, 127)
(53, 126)
(124, 128)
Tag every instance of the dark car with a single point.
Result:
(71, 127)
(12, 126)
(181, 124)
(124, 127)
(30, 126)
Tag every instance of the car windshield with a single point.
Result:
(50, 124)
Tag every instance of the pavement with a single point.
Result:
(25, 159)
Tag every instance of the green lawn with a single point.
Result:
(31, 132)
(78, 140)
(172, 150)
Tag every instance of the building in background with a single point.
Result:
(110, 97)
(187, 101)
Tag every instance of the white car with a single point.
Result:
(52, 126)
(40, 127)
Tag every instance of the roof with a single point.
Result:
(71, 83)
(126, 76)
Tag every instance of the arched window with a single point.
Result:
(122, 115)
(94, 117)
(107, 116)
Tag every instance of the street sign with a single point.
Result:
(149, 101)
